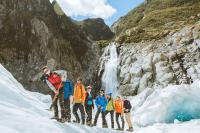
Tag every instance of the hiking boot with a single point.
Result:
(104, 126)
(88, 123)
(94, 124)
(75, 121)
(91, 125)
(67, 120)
(63, 120)
(130, 129)
(55, 117)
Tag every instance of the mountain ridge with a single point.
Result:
(154, 19)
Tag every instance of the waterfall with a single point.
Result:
(109, 78)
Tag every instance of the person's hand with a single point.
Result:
(82, 103)
(56, 92)
(43, 78)
(71, 99)
(99, 107)
(126, 110)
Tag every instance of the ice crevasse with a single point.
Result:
(175, 103)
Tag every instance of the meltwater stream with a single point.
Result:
(109, 78)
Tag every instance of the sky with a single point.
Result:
(109, 10)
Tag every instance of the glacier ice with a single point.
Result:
(22, 111)
(175, 102)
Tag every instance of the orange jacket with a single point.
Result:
(79, 93)
(119, 106)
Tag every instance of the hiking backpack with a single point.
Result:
(62, 74)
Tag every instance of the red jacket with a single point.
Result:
(55, 80)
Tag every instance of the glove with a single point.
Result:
(44, 78)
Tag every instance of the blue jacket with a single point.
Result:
(68, 89)
(102, 101)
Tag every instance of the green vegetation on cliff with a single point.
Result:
(154, 19)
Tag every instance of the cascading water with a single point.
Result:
(109, 78)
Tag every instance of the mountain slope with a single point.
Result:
(154, 19)
(34, 33)
(96, 28)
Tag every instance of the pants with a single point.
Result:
(103, 118)
(111, 117)
(59, 98)
(89, 115)
(81, 108)
(67, 109)
(117, 120)
(128, 119)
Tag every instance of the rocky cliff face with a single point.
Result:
(157, 47)
(96, 29)
(33, 35)
(157, 64)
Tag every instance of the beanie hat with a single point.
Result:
(89, 87)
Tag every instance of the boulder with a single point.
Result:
(124, 70)
(135, 81)
(128, 61)
(197, 42)
(159, 57)
(127, 78)
(128, 89)
(196, 31)
(172, 55)
(145, 81)
(163, 74)
(136, 70)
(147, 63)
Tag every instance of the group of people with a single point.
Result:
(63, 91)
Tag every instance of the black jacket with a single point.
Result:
(127, 105)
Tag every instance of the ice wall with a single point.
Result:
(173, 103)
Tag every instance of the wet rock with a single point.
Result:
(147, 63)
(145, 81)
(128, 89)
(159, 57)
(136, 70)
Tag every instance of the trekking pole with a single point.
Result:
(54, 98)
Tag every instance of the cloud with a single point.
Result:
(87, 8)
